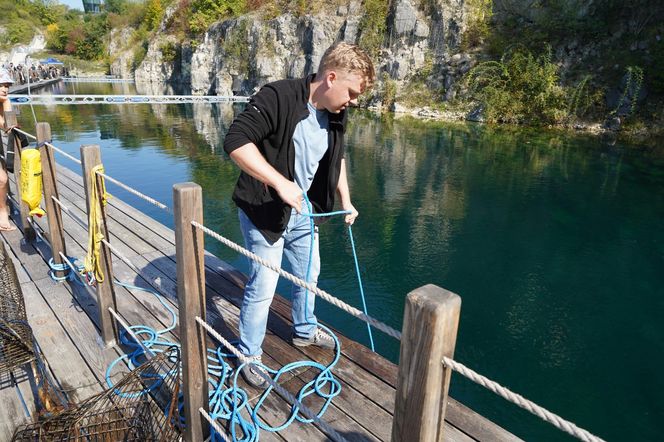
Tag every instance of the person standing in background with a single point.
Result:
(5, 106)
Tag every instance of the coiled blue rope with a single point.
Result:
(227, 400)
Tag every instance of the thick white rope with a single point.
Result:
(136, 192)
(131, 332)
(522, 402)
(289, 397)
(131, 265)
(24, 133)
(70, 213)
(309, 286)
(214, 424)
(62, 152)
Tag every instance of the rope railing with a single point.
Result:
(132, 266)
(522, 402)
(68, 211)
(24, 132)
(214, 424)
(309, 286)
(136, 192)
(63, 153)
(285, 393)
(127, 327)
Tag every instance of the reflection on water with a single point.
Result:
(554, 242)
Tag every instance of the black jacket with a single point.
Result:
(269, 122)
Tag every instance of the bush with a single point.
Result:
(519, 88)
(169, 52)
(389, 91)
(477, 29)
(373, 25)
(206, 12)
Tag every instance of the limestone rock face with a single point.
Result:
(238, 56)
(121, 56)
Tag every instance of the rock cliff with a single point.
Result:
(238, 56)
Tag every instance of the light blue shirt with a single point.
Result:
(310, 138)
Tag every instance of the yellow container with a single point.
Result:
(31, 180)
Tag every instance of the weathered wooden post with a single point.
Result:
(431, 319)
(189, 246)
(91, 157)
(54, 215)
(14, 144)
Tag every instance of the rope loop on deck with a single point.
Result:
(295, 280)
(522, 402)
(296, 402)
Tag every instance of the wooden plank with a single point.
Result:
(129, 243)
(77, 326)
(54, 215)
(132, 220)
(431, 320)
(130, 211)
(91, 158)
(12, 412)
(60, 352)
(188, 201)
(475, 425)
(18, 265)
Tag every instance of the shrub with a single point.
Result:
(477, 29)
(169, 51)
(519, 88)
(389, 90)
(206, 12)
(373, 25)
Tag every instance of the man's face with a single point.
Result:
(343, 90)
(4, 89)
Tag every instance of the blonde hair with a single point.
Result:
(350, 58)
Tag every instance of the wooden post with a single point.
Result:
(431, 319)
(13, 143)
(91, 157)
(189, 246)
(56, 235)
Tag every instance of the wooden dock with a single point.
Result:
(23, 88)
(66, 324)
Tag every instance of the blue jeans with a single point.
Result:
(295, 244)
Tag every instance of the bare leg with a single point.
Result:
(5, 224)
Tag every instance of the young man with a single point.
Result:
(288, 142)
(5, 105)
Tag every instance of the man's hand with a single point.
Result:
(350, 218)
(291, 194)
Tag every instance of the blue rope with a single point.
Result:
(359, 280)
(228, 401)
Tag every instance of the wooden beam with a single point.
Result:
(56, 235)
(91, 157)
(431, 319)
(13, 143)
(188, 207)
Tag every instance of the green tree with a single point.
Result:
(153, 14)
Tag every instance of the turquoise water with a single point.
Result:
(555, 243)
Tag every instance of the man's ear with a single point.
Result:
(330, 78)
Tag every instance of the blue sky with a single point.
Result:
(78, 4)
